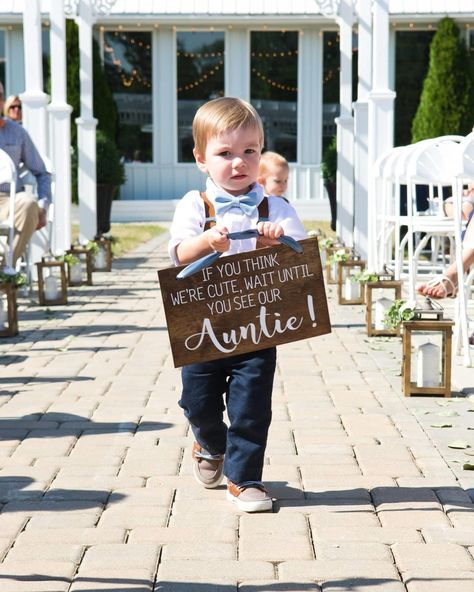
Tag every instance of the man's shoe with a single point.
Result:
(250, 496)
(207, 467)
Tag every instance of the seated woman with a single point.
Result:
(446, 285)
(467, 204)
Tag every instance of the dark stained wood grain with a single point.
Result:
(245, 302)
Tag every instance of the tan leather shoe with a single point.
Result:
(249, 497)
(207, 467)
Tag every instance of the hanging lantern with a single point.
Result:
(102, 258)
(8, 310)
(332, 254)
(52, 284)
(79, 266)
(380, 295)
(427, 352)
(349, 290)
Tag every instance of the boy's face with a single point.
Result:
(231, 159)
(275, 181)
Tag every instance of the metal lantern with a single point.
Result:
(102, 260)
(81, 273)
(8, 310)
(427, 352)
(380, 295)
(52, 284)
(331, 266)
(350, 291)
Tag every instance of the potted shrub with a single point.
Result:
(110, 175)
(328, 171)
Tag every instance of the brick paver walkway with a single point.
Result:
(96, 491)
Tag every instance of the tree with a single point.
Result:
(104, 107)
(445, 100)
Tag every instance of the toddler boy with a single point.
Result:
(273, 174)
(228, 139)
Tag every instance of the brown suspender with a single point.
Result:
(210, 212)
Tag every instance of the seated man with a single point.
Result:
(30, 214)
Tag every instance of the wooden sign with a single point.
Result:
(245, 302)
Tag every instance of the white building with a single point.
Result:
(166, 58)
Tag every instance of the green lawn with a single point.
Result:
(323, 225)
(127, 237)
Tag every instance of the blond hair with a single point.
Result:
(221, 115)
(269, 158)
(9, 102)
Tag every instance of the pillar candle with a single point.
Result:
(51, 291)
(381, 307)
(99, 259)
(3, 310)
(75, 273)
(427, 373)
(352, 290)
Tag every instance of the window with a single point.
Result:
(274, 88)
(200, 66)
(127, 62)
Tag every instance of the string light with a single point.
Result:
(135, 76)
(188, 54)
(210, 72)
(273, 83)
(273, 54)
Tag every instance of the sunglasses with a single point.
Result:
(15, 107)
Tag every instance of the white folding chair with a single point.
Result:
(7, 227)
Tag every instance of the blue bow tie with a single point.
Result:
(247, 203)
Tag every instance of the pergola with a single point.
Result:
(364, 129)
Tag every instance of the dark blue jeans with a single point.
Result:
(246, 381)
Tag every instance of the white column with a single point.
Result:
(60, 132)
(237, 63)
(361, 129)
(34, 100)
(86, 129)
(345, 130)
(381, 103)
(310, 102)
(310, 114)
(164, 98)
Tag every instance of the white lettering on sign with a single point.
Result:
(188, 295)
(254, 331)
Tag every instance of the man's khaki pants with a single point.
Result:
(26, 220)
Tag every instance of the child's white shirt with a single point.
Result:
(190, 217)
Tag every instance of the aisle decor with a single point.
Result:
(349, 290)
(246, 302)
(338, 252)
(79, 271)
(381, 291)
(427, 347)
(52, 282)
(102, 254)
(10, 281)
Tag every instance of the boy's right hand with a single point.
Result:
(217, 238)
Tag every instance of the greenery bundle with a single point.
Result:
(17, 279)
(400, 311)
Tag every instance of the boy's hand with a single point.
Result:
(269, 233)
(217, 238)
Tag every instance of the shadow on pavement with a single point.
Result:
(288, 497)
(51, 425)
(46, 379)
(17, 498)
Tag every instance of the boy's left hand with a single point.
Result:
(269, 233)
